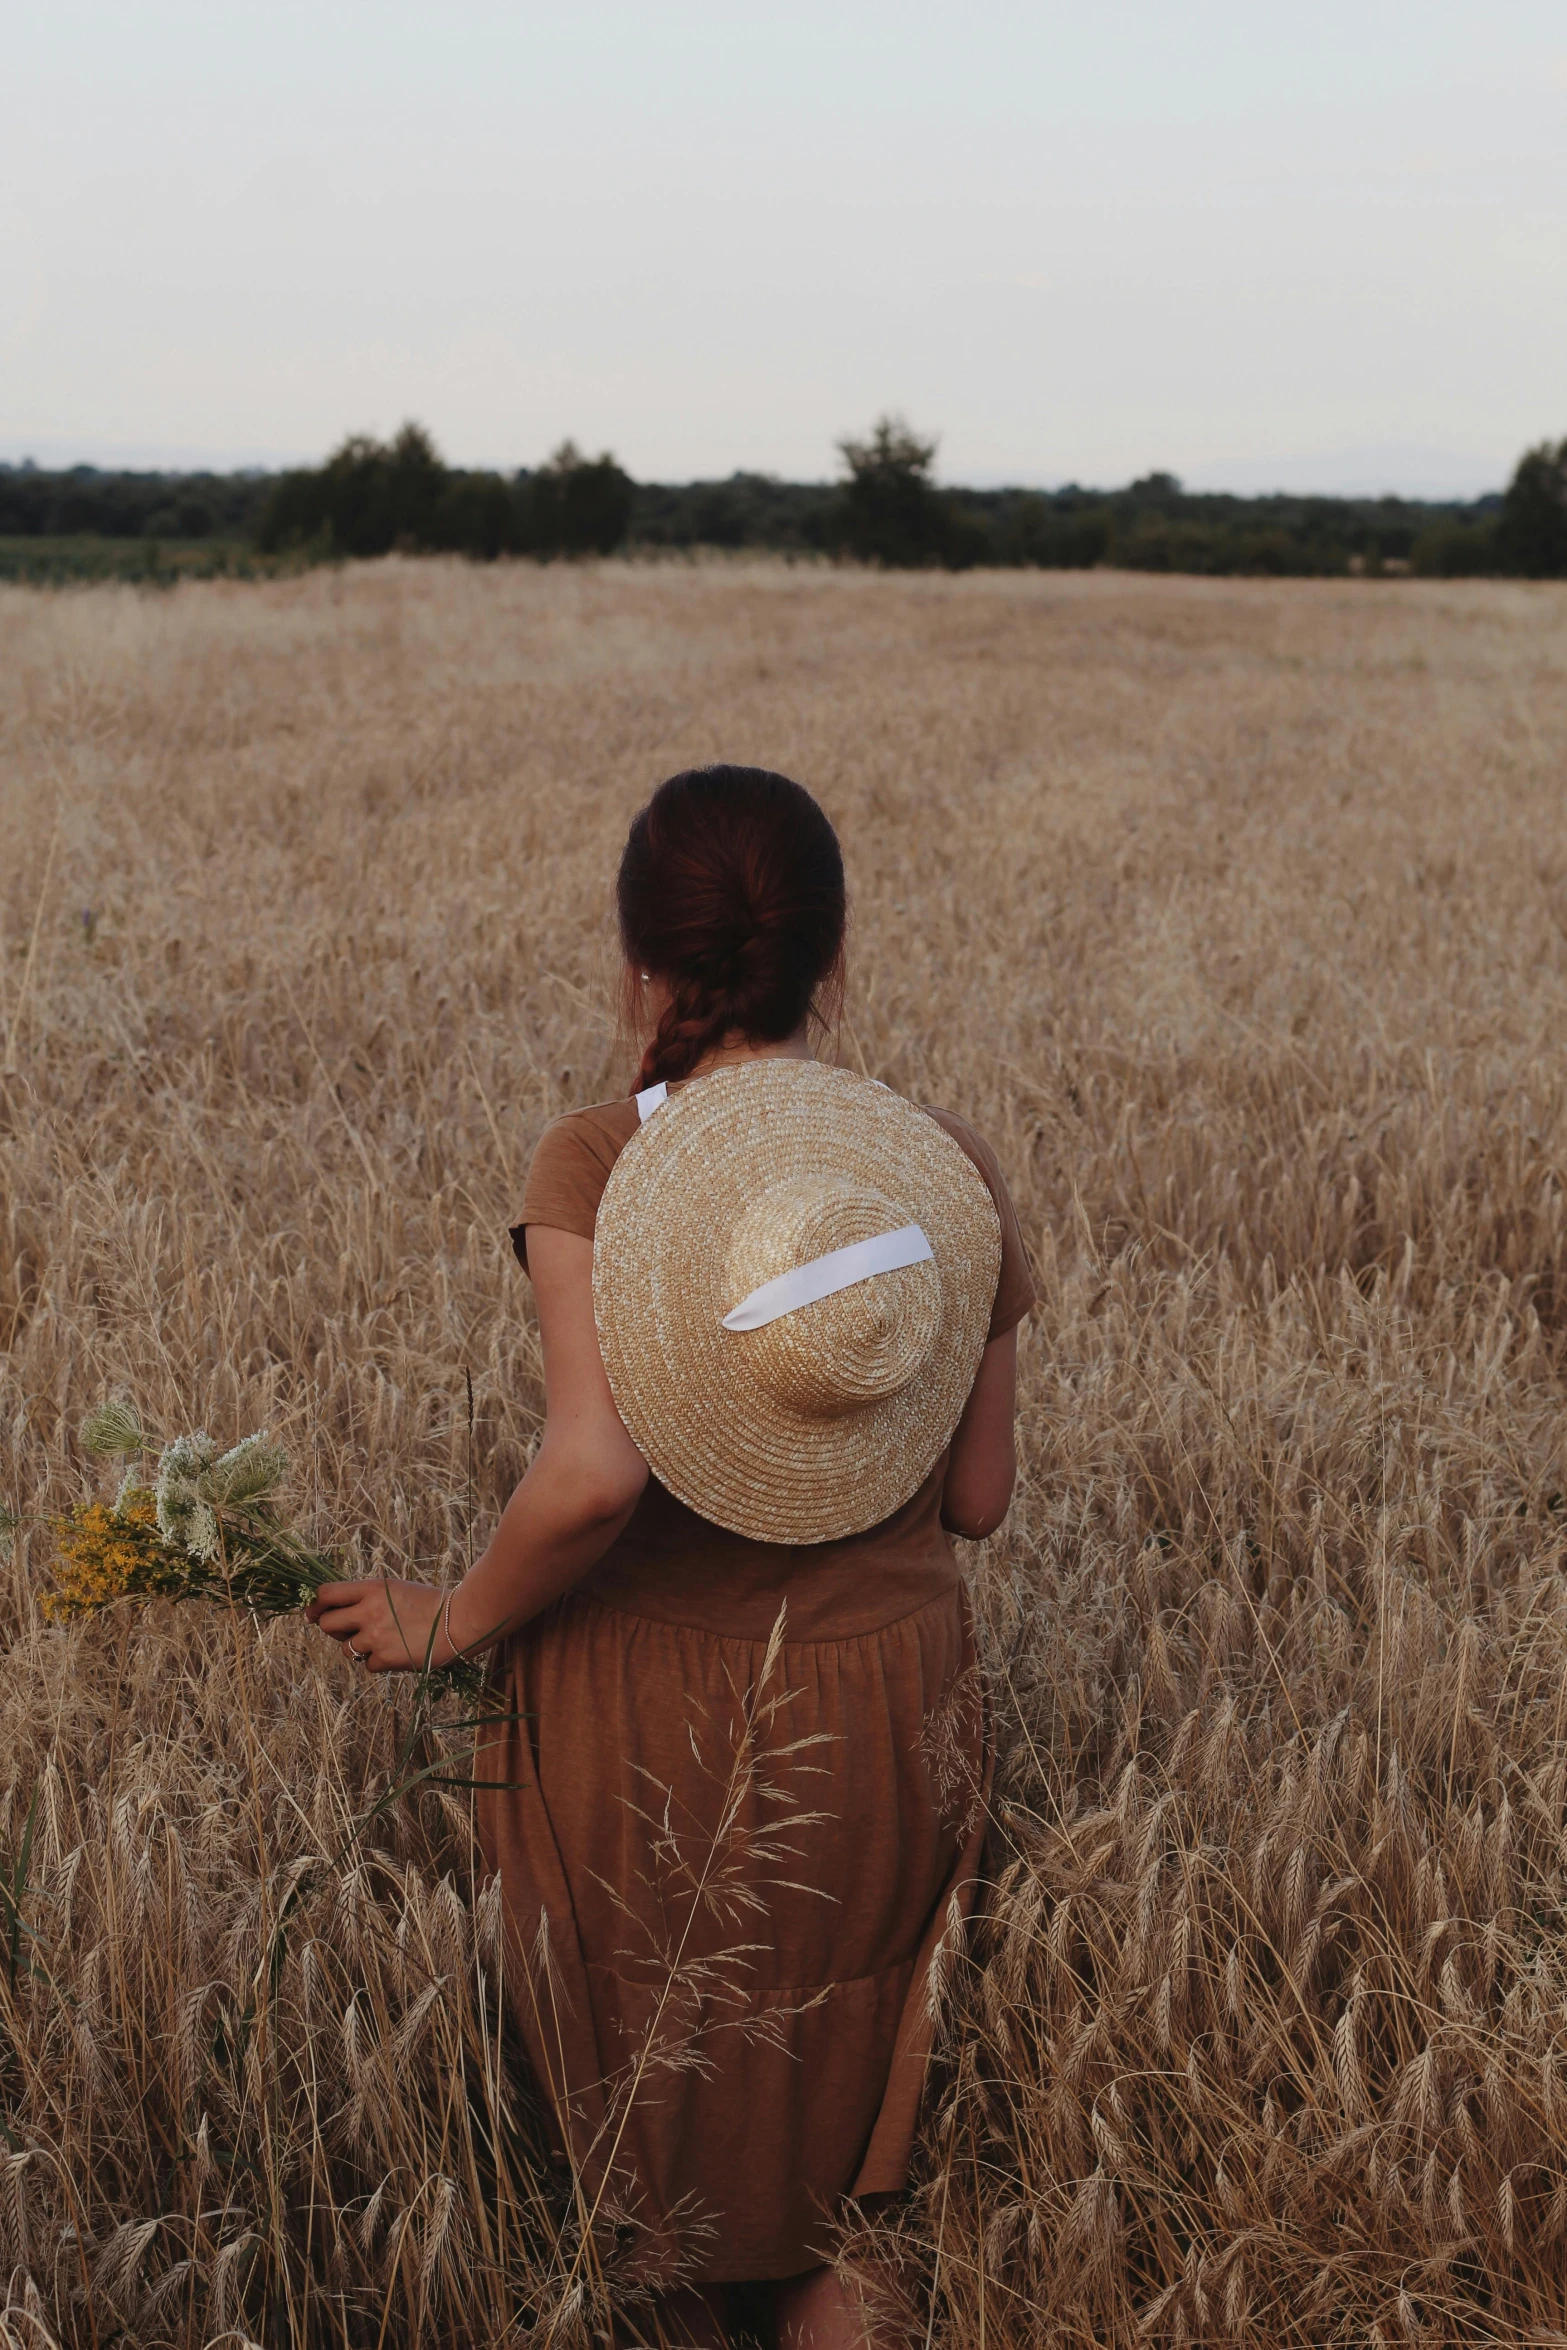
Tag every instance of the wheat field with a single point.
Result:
(1236, 916)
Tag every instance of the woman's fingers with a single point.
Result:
(362, 1639)
(335, 1595)
(341, 1621)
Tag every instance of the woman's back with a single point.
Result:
(681, 1566)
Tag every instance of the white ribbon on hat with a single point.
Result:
(824, 1276)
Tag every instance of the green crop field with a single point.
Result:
(55, 561)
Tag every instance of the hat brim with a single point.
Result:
(717, 1438)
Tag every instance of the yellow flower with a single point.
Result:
(105, 1555)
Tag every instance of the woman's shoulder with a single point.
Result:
(966, 1136)
(604, 1127)
(971, 1142)
(571, 1164)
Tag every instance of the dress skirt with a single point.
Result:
(737, 1801)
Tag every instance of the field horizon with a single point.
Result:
(1234, 914)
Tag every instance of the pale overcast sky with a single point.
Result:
(1234, 238)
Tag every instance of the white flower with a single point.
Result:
(196, 1482)
(201, 1538)
(115, 1427)
(185, 1515)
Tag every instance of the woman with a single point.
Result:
(739, 1793)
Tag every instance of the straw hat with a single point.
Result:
(793, 1274)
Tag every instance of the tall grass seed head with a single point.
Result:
(247, 1472)
(113, 1429)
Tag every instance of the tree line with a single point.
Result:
(372, 497)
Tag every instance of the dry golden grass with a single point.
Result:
(1237, 917)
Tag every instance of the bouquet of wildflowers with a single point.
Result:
(207, 1526)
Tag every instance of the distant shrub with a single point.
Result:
(575, 505)
(1055, 539)
(371, 497)
(746, 510)
(1532, 533)
(1153, 543)
(84, 502)
(719, 516)
(1456, 550)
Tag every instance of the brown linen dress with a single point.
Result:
(739, 1798)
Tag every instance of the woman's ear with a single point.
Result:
(644, 998)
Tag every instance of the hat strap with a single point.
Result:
(824, 1276)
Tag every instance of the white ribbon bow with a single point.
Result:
(825, 1276)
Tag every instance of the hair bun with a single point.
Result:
(731, 892)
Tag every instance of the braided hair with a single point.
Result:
(731, 892)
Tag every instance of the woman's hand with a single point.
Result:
(386, 1627)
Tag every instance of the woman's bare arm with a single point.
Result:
(982, 1468)
(584, 1483)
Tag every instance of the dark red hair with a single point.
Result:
(730, 892)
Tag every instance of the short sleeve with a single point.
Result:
(568, 1172)
(1014, 1284)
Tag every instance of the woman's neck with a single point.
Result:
(723, 1056)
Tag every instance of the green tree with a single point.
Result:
(576, 505)
(366, 499)
(890, 510)
(414, 482)
(1532, 533)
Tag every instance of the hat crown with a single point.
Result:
(862, 1344)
